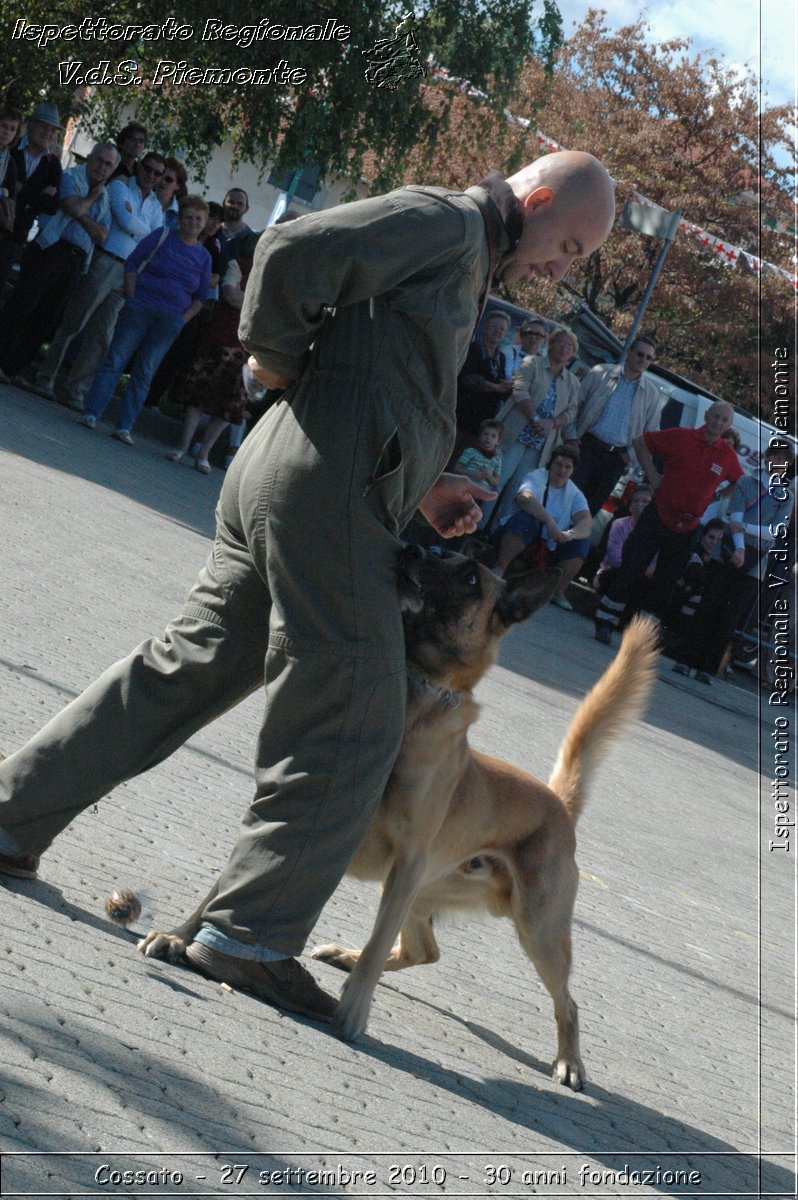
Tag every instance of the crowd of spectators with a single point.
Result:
(128, 274)
(689, 544)
(125, 273)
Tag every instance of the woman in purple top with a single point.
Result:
(166, 284)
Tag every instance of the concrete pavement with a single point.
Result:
(110, 1063)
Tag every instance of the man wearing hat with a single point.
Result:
(38, 180)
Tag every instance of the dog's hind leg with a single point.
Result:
(416, 946)
(397, 898)
(172, 945)
(543, 921)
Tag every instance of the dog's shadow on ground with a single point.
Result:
(602, 1126)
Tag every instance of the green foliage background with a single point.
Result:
(334, 120)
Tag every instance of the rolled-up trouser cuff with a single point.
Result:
(212, 937)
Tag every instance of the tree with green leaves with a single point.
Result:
(314, 102)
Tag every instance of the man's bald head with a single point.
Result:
(567, 201)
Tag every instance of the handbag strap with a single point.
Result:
(164, 235)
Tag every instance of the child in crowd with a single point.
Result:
(680, 626)
(619, 530)
(483, 462)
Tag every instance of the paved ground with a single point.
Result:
(684, 933)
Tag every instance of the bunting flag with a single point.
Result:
(727, 255)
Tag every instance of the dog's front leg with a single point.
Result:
(397, 898)
(172, 945)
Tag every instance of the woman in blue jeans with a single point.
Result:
(166, 283)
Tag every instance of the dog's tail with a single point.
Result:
(611, 704)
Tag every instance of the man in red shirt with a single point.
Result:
(695, 463)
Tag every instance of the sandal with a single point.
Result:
(203, 466)
(174, 455)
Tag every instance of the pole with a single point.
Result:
(641, 308)
(284, 199)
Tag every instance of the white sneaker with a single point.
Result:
(122, 435)
(88, 421)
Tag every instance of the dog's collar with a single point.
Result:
(446, 697)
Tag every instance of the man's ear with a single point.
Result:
(537, 197)
(525, 594)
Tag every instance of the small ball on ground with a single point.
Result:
(123, 907)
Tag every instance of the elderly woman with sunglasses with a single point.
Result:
(170, 189)
(542, 405)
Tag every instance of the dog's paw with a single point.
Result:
(352, 1015)
(569, 1072)
(162, 945)
(336, 956)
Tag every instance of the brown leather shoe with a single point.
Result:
(284, 983)
(21, 866)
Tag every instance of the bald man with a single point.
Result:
(364, 314)
(695, 464)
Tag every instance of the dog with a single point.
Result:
(457, 829)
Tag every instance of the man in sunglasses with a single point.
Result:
(97, 300)
(616, 405)
(532, 334)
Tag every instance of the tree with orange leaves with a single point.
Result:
(687, 133)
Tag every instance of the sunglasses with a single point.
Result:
(152, 170)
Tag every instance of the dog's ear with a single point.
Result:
(411, 595)
(525, 594)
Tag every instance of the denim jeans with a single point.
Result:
(144, 334)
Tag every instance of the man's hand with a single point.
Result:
(738, 558)
(266, 377)
(450, 505)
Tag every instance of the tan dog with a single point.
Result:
(456, 829)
